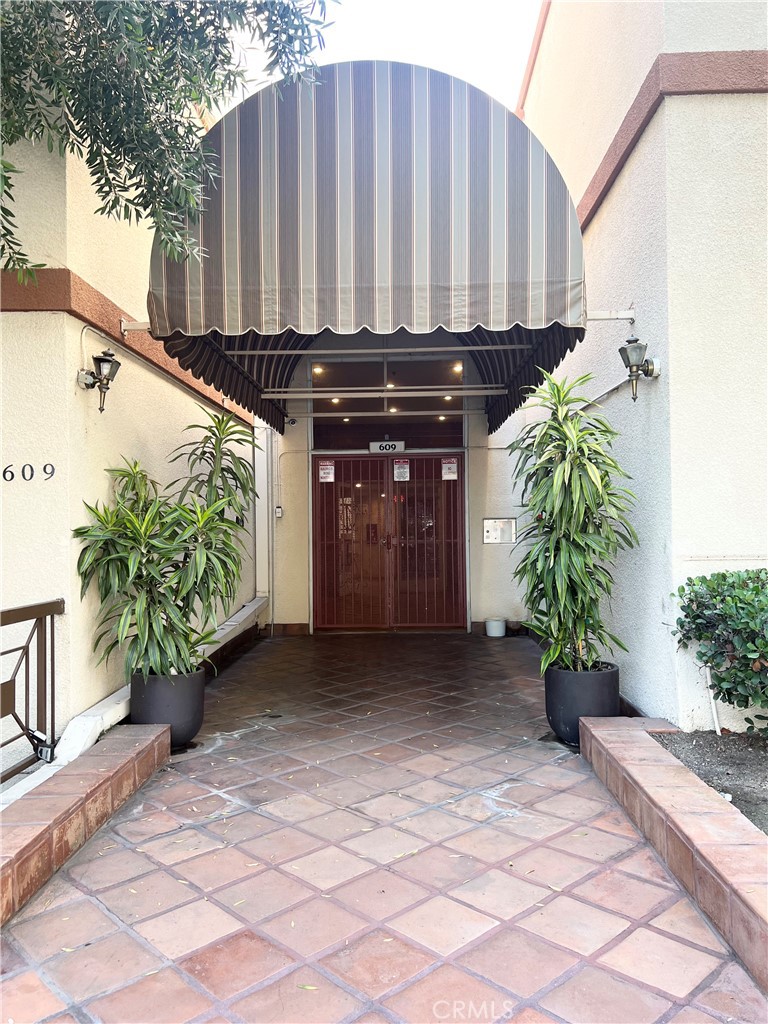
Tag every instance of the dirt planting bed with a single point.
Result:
(733, 763)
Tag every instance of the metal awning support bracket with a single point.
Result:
(612, 314)
(135, 325)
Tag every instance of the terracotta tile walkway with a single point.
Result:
(371, 830)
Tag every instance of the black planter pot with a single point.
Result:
(177, 701)
(570, 696)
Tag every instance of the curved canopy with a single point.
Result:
(380, 196)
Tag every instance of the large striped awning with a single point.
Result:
(380, 196)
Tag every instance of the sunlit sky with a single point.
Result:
(485, 42)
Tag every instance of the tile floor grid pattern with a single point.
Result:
(370, 829)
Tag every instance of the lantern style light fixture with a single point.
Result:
(632, 354)
(104, 372)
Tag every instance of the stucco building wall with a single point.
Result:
(55, 213)
(680, 236)
(293, 532)
(491, 496)
(718, 279)
(714, 25)
(109, 253)
(717, 156)
(643, 575)
(40, 206)
(48, 419)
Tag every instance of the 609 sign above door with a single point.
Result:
(385, 447)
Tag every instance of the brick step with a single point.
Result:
(43, 828)
(716, 853)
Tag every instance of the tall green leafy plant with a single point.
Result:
(215, 470)
(578, 522)
(166, 562)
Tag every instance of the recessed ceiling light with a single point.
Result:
(441, 417)
(318, 370)
(390, 386)
(335, 401)
(458, 367)
(346, 419)
(447, 397)
(358, 485)
(383, 495)
(392, 408)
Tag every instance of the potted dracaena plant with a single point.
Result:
(165, 562)
(578, 522)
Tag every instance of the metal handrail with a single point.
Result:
(42, 733)
(31, 611)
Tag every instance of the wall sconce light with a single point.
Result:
(104, 372)
(632, 354)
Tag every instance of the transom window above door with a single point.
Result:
(418, 401)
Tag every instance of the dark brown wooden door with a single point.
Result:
(388, 553)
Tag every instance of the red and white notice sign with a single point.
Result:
(450, 469)
(325, 471)
(402, 469)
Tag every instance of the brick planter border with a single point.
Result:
(43, 828)
(716, 853)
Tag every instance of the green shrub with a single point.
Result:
(725, 618)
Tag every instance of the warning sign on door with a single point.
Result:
(325, 471)
(402, 469)
(450, 469)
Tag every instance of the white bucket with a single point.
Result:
(495, 627)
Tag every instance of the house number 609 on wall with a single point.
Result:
(27, 472)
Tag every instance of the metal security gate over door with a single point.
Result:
(388, 542)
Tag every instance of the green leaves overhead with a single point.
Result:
(164, 565)
(119, 83)
(577, 524)
(725, 618)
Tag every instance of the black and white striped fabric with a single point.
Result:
(380, 196)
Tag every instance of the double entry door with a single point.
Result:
(388, 541)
